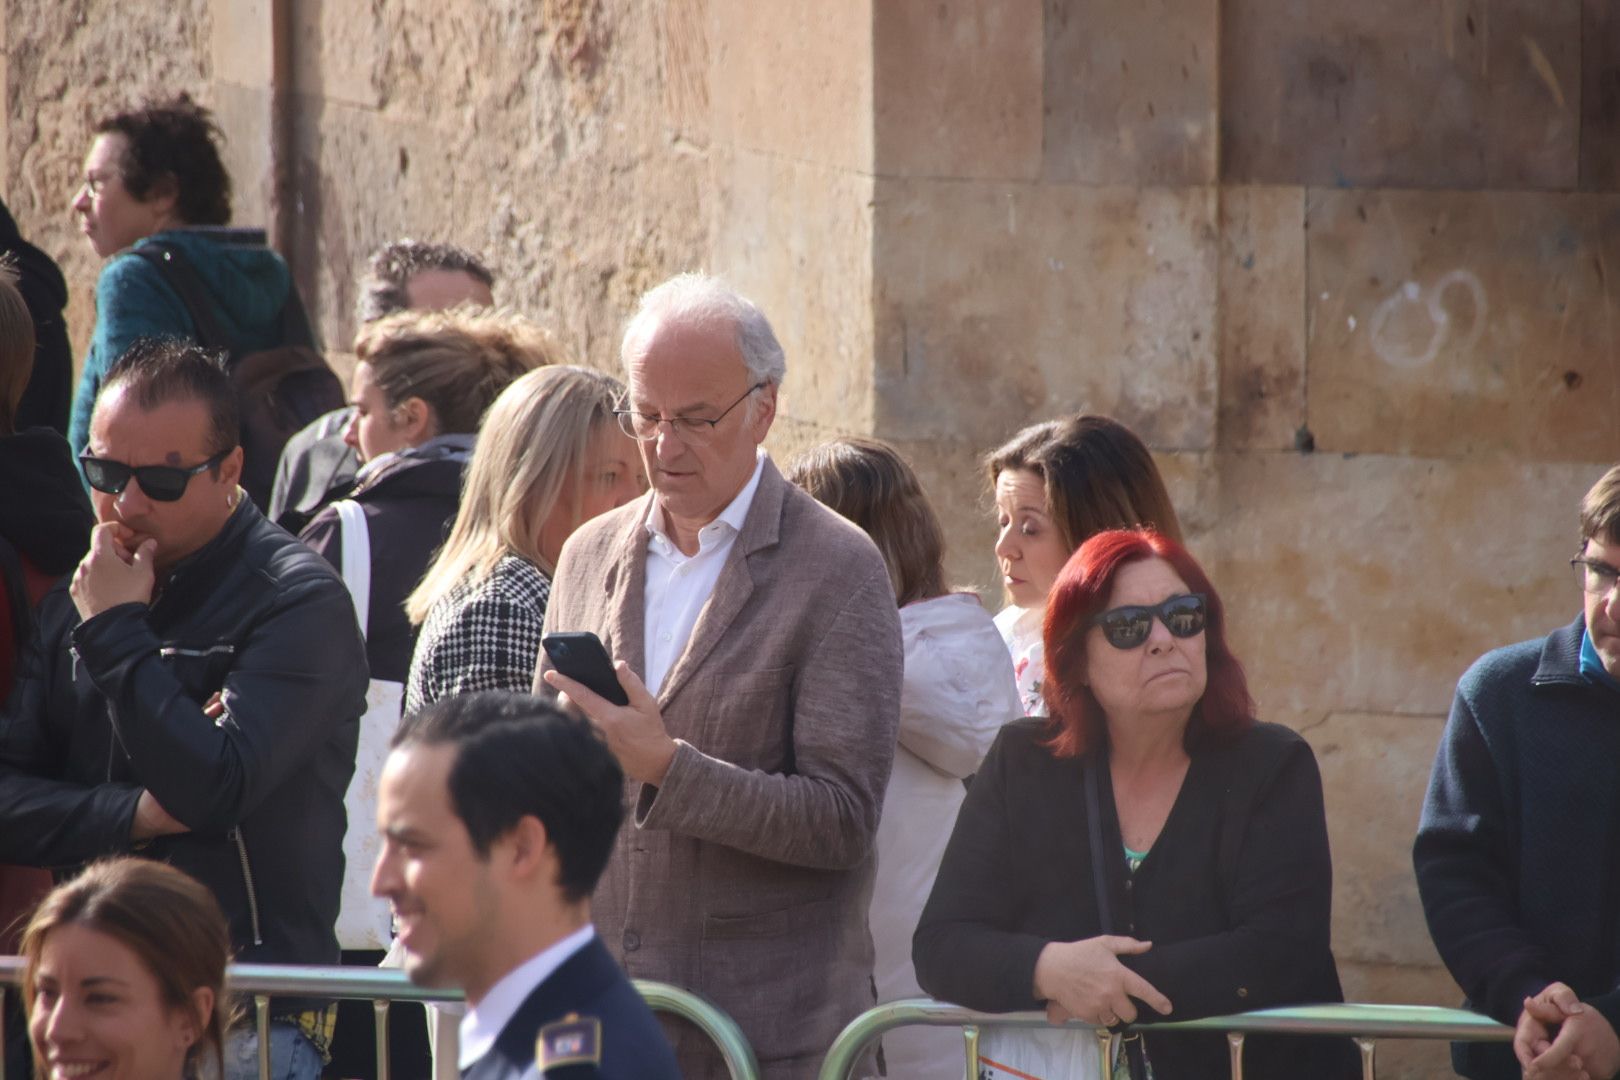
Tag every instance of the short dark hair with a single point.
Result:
(517, 757)
(1600, 510)
(160, 370)
(178, 139)
(391, 267)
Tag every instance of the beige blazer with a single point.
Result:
(746, 875)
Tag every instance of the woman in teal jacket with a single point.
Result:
(153, 178)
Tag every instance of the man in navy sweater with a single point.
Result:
(1518, 850)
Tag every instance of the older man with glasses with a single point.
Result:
(1518, 851)
(194, 695)
(756, 639)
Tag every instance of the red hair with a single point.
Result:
(1081, 591)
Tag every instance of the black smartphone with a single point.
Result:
(583, 658)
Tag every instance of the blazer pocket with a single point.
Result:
(753, 967)
(749, 719)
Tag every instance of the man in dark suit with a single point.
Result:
(498, 814)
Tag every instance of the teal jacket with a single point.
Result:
(246, 280)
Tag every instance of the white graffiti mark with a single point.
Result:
(1394, 336)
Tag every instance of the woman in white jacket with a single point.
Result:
(958, 691)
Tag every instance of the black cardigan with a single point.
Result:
(1235, 895)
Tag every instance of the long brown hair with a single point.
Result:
(868, 482)
(16, 347)
(168, 920)
(1098, 475)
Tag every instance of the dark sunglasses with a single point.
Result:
(1127, 627)
(162, 483)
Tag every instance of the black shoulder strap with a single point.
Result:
(169, 262)
(1099, 864)
(22, 617)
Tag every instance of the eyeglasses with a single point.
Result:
(162, 483)
(1597, 577)
(1127, 627)
(643, 427)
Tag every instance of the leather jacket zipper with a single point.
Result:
(247, 879)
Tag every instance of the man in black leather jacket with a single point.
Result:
(195, 695)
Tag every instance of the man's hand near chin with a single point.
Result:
(113, 572)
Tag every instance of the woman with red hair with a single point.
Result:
(1149, 852)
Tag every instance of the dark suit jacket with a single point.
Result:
(588, 983)
(1235, 895)
(747, 875)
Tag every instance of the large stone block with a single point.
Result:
(1369, 584)
(1261, 304)
(1385, 93)
(957, 88)
(1600, 96)
(1131, 91)
(1447, 323)
(998, 305)
(794, 80)
(1375, 770)
(796, 238)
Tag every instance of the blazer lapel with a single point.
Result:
(761, 528)
(625, 589)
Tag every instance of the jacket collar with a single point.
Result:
(204, 568)
(1561, 655)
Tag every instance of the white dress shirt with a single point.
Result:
(678, 585)
(482, 1025)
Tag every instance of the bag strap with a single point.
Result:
(1135, 1059)
(356, 559)
(22, 612)
(182, 278)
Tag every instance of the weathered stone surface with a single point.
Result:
(1375, 770)
(1368, 584)
(1445, 324)
(1131, 91)
(1600, 96)
(1261, 305)
(794, 80)
(957, 88)
(794, 238)
(999, 304)
(1477, 93)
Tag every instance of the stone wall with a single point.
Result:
(1346, 267)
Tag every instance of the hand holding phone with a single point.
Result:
(583, 658)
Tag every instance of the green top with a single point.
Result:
(1133, 859)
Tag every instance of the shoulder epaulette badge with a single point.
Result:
(573, 1040)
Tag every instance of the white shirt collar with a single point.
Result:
(483, 1024)
(732, 517)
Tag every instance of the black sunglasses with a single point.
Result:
(162, 483)
(1129, 626)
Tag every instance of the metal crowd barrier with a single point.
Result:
(381, 987)
(1364, 1023)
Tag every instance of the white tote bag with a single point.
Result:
(363, 920)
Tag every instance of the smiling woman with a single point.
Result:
(125, 975)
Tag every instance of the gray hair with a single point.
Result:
(699, 298)
(391, 267)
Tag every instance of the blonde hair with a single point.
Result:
(868, 482)
(16, 346)
(533, 440)
(457, 360)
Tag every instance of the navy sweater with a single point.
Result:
(1518, 851)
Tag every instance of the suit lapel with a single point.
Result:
(761, 528)
(625, 588)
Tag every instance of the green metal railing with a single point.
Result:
(382, 987)
(1366, 1024)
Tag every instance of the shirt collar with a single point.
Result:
(483, 1024)
(1592, 664)
(732, 517)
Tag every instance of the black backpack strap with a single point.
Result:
(174, 268)
(16, 592)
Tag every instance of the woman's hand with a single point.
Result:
(1084, 980)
